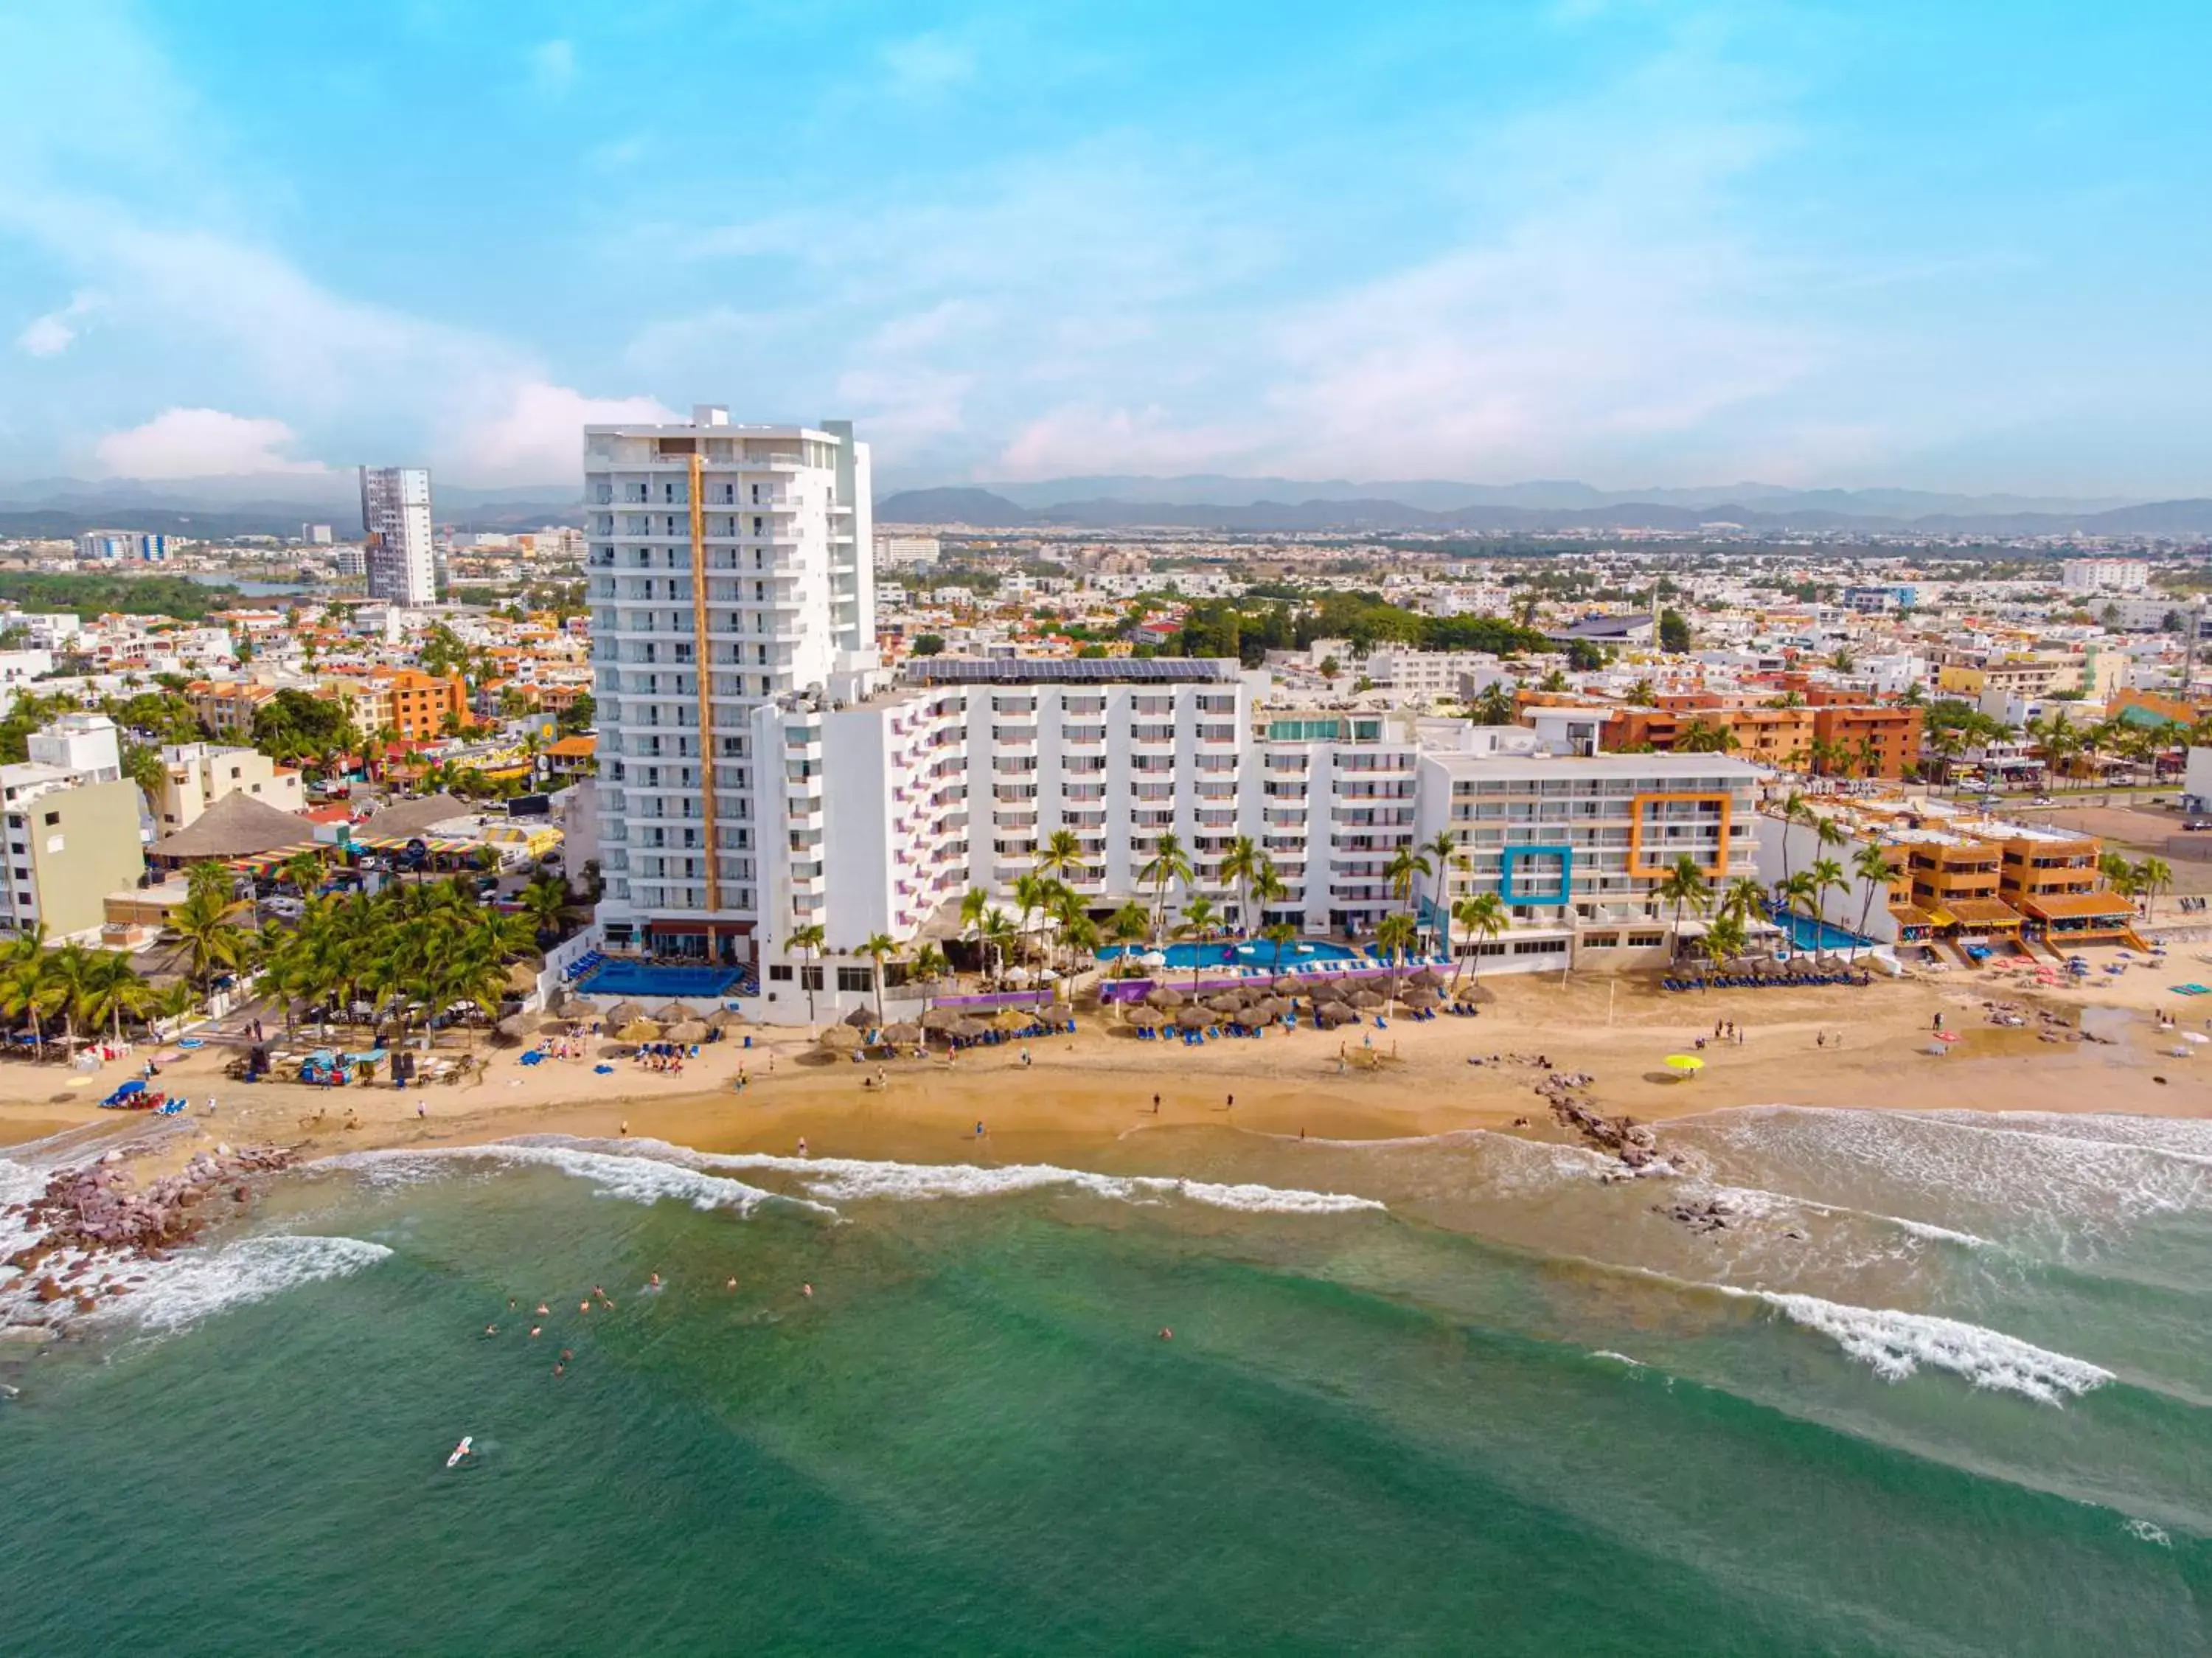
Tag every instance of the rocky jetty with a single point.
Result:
(1699, 1214)
(89, 1219)
(1622, 1137)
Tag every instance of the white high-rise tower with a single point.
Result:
(395, 517)
(730, 567)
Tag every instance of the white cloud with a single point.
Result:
(553, 66)
(55, 332)
(538, 434)
(200, 443)
(927, 64)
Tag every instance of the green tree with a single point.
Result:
(1684, 886)
(1874, 868)
(1483, 916)
(879, 948)
(1673, 632)
(809, 941)
(1200, 922)
(1168, 863)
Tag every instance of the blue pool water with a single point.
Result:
(644, 980)
(1252, 953)
(1805, 934)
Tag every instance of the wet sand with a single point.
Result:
(1083, 1091)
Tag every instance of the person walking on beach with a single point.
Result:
(1156, 1105)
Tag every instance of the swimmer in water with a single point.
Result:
(560, 1369)
(1166, 1334)
(566, 1355)
(543, 1310)
(510, 1303)
(655, 1281)
(584, 1306)
(807, 1290)
(491, 1330)
(536, 1331)
(802, 1145)
(731, 1284)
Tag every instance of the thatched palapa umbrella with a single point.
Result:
(1417, 999)
(725, 1019)
(1194, 1019)
(669, 1012)
(1228, 1002)
(622, 1013)
(1145, 1019)
(1165, 997)
(860, 1019)
(639, 1030)
(841, 1039)
(902, 1035)
(519, 1025)
(1334, 1013)
(1014, 1018)
(1366, 998)
(687, 1030)
(1426, 979)
(942, 1019)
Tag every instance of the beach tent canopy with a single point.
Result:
(235, 826)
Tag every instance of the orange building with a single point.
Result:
(420, 703)
(1875, 740)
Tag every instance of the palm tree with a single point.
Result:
(208, 934)
(1060, 855)
(1827, 875)
(810, 939)
(997, 931)
(1200, 922)
(1279, 933)
(110, 990)
(1684, 886)
(1169, 862)
(879, 947)
(545, 902)
(1240, 862)
(1444, 856)
(304, 870)
(1394, 935)
(1493, 705)
(929, 964)
(1743, 899)
(1065, 907)
(1800, 892)
(1726, 940)
(1873, 866)
(211, 878)
(1485, 917)
(2156, 874)
(1404, 872)
(975, 905)
(28, 992)
(1796, 812)
(1128, 925)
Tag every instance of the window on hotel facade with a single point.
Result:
(856, 978)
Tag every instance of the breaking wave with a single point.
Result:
(637, 1178)
(1896, 1344)
(195, 1284)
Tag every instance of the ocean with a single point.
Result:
(1941, 1385)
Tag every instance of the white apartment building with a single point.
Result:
(893, 805)
(196, 775)
(729, 567)
(141, 546)
(68, 824)
(2105, 574)
(395, 520)
(897, 551)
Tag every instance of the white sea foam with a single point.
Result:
(2144, 1532)
(19, 1183)
(195, 1284)
(1757, 1203)
(848, 1179)
(1618, 1358)
(637, 1178)
(2081, 1182)
(1896, 1344)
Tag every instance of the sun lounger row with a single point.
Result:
(1754, 982)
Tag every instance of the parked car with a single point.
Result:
(2196, 823)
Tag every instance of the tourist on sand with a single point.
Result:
(1232, 1106)
(625, 1126)
(1156, 1105)
(979, 1128)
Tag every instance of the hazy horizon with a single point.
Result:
(1666, 241)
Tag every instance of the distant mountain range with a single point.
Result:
(268, 505)
(1838, 510)
(278, 504)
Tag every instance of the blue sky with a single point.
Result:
(1956, 245)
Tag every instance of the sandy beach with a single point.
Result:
(1854, 1047)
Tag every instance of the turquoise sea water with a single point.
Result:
(1942, 1388)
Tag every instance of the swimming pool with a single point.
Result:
(646, 979)
(1251, 953)
(1805, 933)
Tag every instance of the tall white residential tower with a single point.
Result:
(730, 569)
(395, 517)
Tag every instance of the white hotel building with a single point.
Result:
(826, 793)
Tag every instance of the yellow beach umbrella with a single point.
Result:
(1688, 1064)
